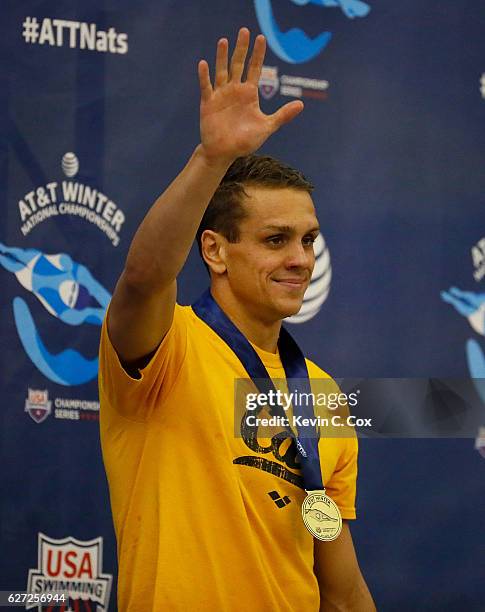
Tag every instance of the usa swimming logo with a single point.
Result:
(295, 46)
(71, 567)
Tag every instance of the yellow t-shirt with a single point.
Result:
(203, 522)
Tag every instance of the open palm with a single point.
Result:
(231, 121)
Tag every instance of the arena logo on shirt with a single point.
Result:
(39, 407)
(73, 567)
(68, 291)
(295, 46)
(471, 305)
(73, 199)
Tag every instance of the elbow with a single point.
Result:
(144, 280)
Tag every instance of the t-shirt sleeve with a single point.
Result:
(343, 483)
(140, 398)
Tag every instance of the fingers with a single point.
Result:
(256, 62)
(221, 62)
(239, 54)
(204, 80)
(286, 114)
(238, 60)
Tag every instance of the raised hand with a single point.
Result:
(231, 121)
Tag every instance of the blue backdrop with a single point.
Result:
(99, 111)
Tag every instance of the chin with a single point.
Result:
(290, 308)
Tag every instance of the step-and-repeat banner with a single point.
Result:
(99, 111)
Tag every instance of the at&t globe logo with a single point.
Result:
(70, 164)
(295, 46)
(319, 287)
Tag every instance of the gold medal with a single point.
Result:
(321, 516)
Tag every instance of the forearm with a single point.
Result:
(164, 238)
(356, 599)
(342, 586)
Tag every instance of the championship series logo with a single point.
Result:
(290, 85)
(74, 567)
(37, 405)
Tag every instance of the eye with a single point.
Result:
(275, 240)
(309, 240)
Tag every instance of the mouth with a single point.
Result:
(292, 283)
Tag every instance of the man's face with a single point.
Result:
(270, 267)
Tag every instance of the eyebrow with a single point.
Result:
(287, 229)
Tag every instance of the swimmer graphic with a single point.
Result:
(472, 306)
(69, 292)
(320, 516)
(351, 8)
(295, 45)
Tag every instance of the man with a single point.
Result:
(195, 507)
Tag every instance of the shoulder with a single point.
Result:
(182, 316)
(171, 349)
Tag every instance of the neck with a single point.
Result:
(263, 334)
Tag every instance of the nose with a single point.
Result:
(298, 256)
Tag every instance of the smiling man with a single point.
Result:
(204, 519)
(261, 210)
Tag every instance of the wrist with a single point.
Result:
(217, 164)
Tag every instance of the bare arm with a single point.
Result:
(231, 125)
(342, 586)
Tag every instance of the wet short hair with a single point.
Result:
(226, 209)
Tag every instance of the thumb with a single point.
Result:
(286, 113)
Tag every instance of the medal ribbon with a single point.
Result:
(207, 309)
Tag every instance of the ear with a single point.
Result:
(213, 251)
